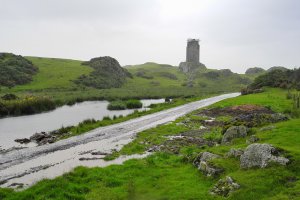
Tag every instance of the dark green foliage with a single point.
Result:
(15, 70)
(107, 74)
(122, 105)
(26, 106)
(116, 105)
(9, 96)
(133, 103)
(277, 68)
(254, 70)
(278, 78)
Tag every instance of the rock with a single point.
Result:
(224, 187)
(43, 138)
(235, 153)
(99, 153)
(22, 141)
(202, 163)
(260, 155)
(278, 117)
(87, 159)
(39, 136)
(252, 139)
(155, 148)
(234, 132)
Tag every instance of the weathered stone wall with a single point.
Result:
(192, 51)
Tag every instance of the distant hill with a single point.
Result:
(107, 74)
(278, 78)
(255, 71)
(15, 70)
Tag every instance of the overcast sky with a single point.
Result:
(234, 34)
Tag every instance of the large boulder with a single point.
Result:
(260, 155)
(234, 132)
(202, 163)
(224, 187)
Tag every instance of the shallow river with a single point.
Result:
(12, 128)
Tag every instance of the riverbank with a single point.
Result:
(171, 174)
(67, 152)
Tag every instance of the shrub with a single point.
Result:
(26, 106)
(122, 105)
(116, 105)
(9, 97)
(15, 70)
(131, 104)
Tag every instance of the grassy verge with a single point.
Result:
(170, 176)
(87, 125)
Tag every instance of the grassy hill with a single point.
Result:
(56, 79)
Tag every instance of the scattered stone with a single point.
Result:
(39, 138)
(86, 159)
(99, 153)
(235, 153)
(155, 148)
(16, 185)
(260, 155)
(234, 132)
(23, 140)
(252, 139)
(202, 163)
(278, 117)
(224, 187)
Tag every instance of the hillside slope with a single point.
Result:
(56, 79)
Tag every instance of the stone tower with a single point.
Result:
(192, 51)
(192, 57)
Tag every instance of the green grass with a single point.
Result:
(272, 98)
(55, 74)
(55, 80)
(168, 176)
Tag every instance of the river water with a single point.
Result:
(12, 128)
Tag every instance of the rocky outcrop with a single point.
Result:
(234, 132)
(39, 138)
(187, 67)
(235, 153)
(202, 163)
(224, 187)
(260, 155)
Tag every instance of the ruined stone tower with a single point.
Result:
(192, 51)
(192, 57)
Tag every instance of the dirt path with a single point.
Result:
(26, 166)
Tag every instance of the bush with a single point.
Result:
(131, 104)
(116, 105)
(26, 106)
(15, 70)
(122, 105)
(9, 97)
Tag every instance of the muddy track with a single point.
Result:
(19, 161)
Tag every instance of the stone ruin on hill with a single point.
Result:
(192, 57)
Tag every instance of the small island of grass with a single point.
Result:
(122, 105)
